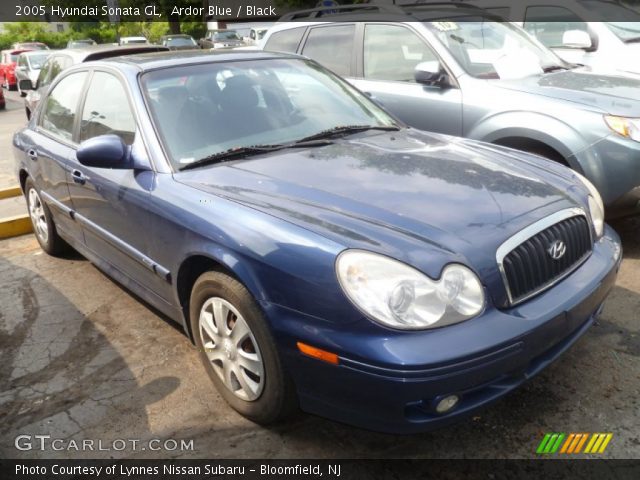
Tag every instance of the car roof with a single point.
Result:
(98, 52)
(424, 10)
(168, 59)
(30, 53)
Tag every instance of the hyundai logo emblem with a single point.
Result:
(557, 249)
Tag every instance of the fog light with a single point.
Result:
(447, 403)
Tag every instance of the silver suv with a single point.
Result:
(455, 69)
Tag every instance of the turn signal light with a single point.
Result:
(318, 353)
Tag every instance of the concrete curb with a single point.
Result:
(16, 225)
(10, 192)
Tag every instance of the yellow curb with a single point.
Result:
(15, 226)
(10, 192)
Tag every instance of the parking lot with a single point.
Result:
(81, 358)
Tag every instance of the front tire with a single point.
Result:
(42, 221)
(238, 350)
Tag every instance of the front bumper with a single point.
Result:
(613, 166)
(389, 381)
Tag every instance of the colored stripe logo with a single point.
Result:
(572, 443)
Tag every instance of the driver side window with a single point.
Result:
(106, 110)
(391, 52)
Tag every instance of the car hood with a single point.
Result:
(399, 192)
(614, 94)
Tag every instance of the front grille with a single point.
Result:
(529, 268)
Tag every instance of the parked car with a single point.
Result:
(455, 69)
(29, 46)
(133, 40)
(87, 42)
(28, 67)
(317, 252)
(62, 59)
(8, 62)
(179, 42)
(221, 39)
(256, 34)
(569, 29)
(2, 100)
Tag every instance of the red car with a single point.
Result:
(8, 59)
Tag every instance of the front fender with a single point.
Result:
(534, 126)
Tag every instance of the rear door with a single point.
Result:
(50, 150)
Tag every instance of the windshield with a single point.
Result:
(488, 49)
(204, 110)
(625, 31)
(36, 61)
(180, 41)
(229, 35)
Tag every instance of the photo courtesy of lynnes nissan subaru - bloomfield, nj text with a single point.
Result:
(319, 253)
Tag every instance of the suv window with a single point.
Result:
(391, 52)
(285, 40)
(548, 24)
(332, 47)
(59, 113)
(106, 110)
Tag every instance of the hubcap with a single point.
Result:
(231, 348)
(36, 212)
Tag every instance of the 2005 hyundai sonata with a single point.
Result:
(317, 252)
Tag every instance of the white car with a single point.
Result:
(566, 27)
(29, 65)
(133, 40)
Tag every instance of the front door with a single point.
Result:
(111, 203)
(390, 56)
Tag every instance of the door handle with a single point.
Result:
(78, 177)
(32, 154)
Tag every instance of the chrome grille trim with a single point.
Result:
(527, 233)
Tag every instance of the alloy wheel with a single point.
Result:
(232, 349)
(37, 214)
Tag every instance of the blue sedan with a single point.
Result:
(317, 252)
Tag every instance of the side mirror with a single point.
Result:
(577, 39)
(105, 151)
(25, 85)
(429, 73)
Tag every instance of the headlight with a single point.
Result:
(627, 127)
(596, 208)
(399, 296)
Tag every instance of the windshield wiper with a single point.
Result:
(243, 152)
(345, 130)
(632, 40)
